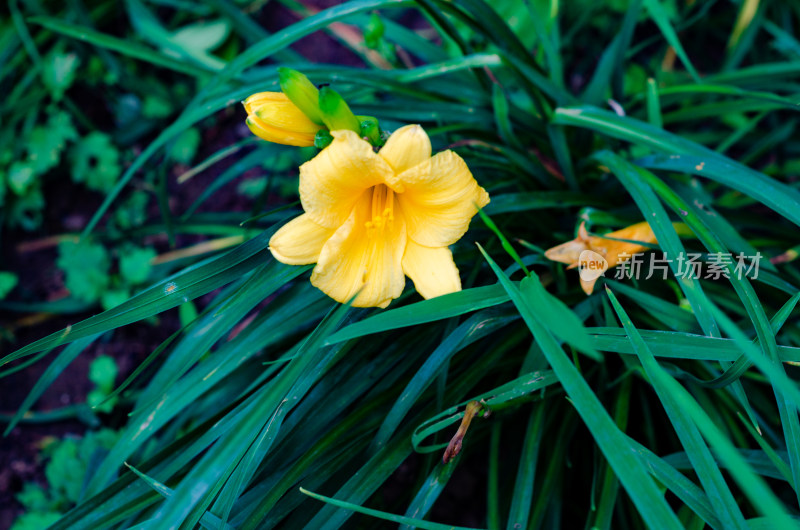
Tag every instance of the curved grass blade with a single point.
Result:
(786, 393)
(54, 369)
(204, 107)
(429, 491)
(676, 482)
(509, 394)
(189, 284)
(208, 520)
(652, 210)
(674, 345)
(439, 308)
(524, 201)
(783, 199)
(686, 156)
(661, 18)
(727, 90)
(475, 328)
(522, 499)
(640, 487)
(679, 398)
(418, 523)
(725, 507)
(123, 46)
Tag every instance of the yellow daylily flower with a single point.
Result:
(274, 118)
(373, 218)
(614, 252)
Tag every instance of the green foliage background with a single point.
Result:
(662, 404)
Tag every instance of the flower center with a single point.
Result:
(382, 209)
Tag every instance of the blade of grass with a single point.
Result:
(401, 519)
(439, 308)
(475, 328)
(522, 499)
(719, 494)
(123, 46)
(640, 487)
(661, 19)
(682, 404)
(51, 373)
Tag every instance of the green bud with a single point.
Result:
(301, 92)
(323, 139)
(335, 113)
(371, 130)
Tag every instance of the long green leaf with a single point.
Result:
(725, 507)
(677, 400)
(640, 487)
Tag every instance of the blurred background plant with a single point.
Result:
(131, 188)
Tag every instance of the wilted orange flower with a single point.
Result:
(614, 252)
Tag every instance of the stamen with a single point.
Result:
(376, 194)
(388, 212)
(382, 208)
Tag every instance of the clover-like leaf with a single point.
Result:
(26, 210)
(95, 162)
(86, 267)
(135, 264)
(58, 72)
(132, 211)
(103, 372)
(21, 177)
(46, 142)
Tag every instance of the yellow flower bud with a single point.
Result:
(274, 118)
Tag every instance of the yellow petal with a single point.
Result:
(588, 285)
(332, 182)
(406, 147)
(299, 241)
(359, 259)
(432, 269)
(440, 198)
(278, 110)
(273, 117)
(568, 252)
(617, 252)
(279, 136)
